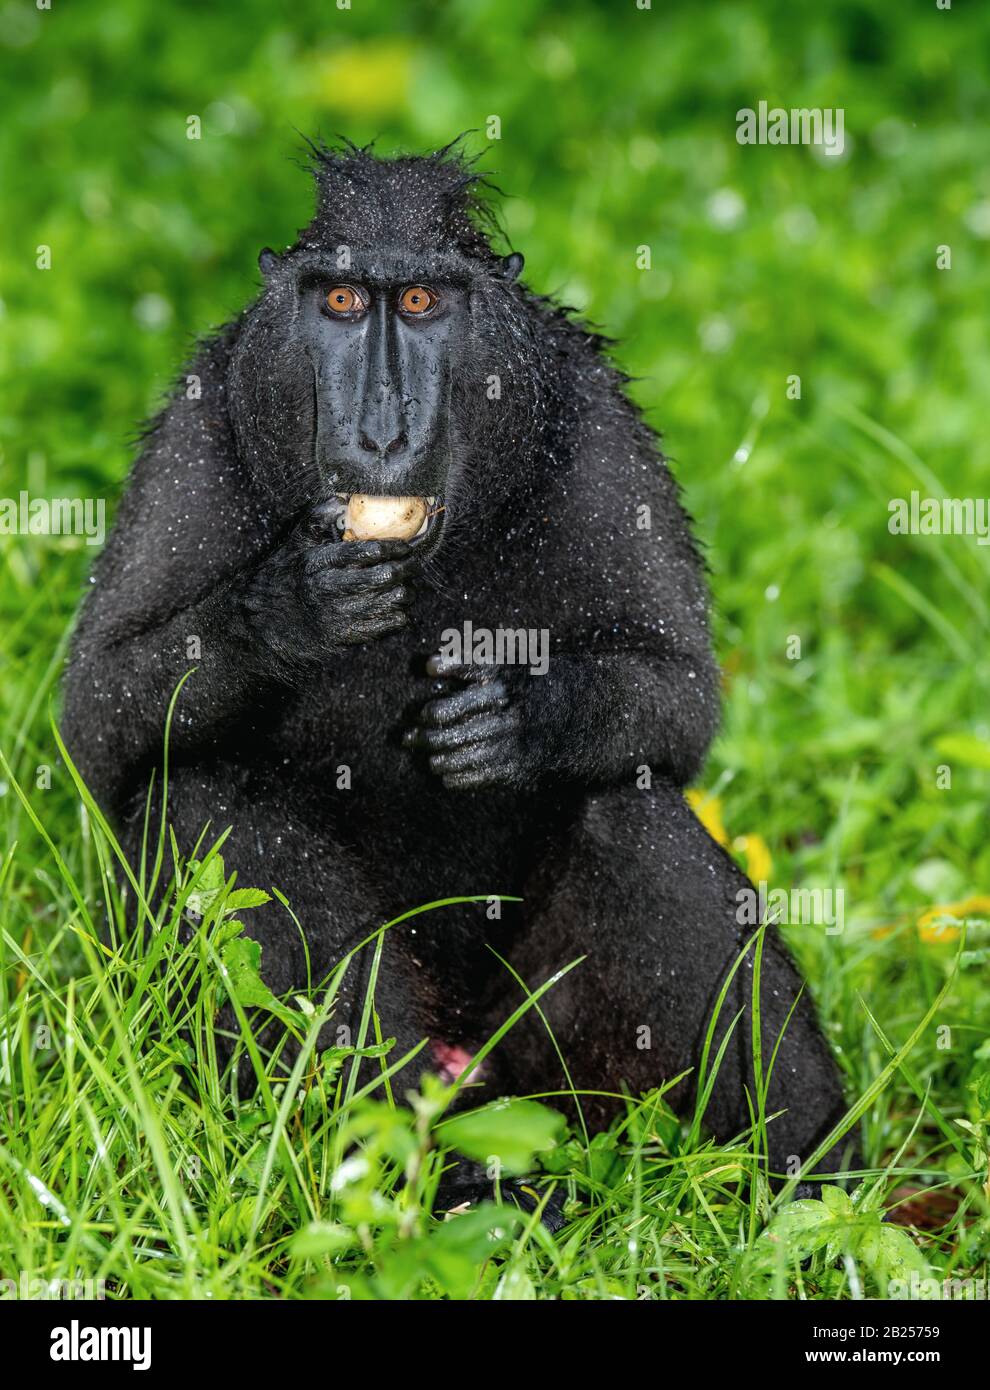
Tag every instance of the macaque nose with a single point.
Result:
(384, 445)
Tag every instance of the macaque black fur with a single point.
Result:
(311, 657)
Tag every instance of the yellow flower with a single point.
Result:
(364, 79)
(759, 861)
(933, 927)
(708, 809)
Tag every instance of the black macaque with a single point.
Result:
(392, 352)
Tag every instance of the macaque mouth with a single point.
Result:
(374, 517)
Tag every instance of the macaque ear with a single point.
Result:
(512, 265)
(267, 260)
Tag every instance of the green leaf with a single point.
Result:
(980, 1086)
(515, 1286)
(837, 1201)
(211, 875)
(890, 1253)
(852, 1235)
(802, 1227)
(512, 1131)
(241, 965)
(479, 1231)
(230, 928)
(455, 1272)
(210, 883)
(245, 897)
(964, 748)
(969, 959)
(321, 1238)
(333, 1056)
(452, 1254)
(235, 1221)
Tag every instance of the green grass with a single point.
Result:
(133, 1162)
(125, 1157)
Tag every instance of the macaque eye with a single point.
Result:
(345, 301)
(417, 299)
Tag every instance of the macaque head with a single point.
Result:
(365, 370)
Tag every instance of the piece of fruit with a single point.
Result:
(371, 518)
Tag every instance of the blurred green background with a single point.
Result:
(617, 131)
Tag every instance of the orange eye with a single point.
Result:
(417, 299)
(342, 299)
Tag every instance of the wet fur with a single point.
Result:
(540, 532)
